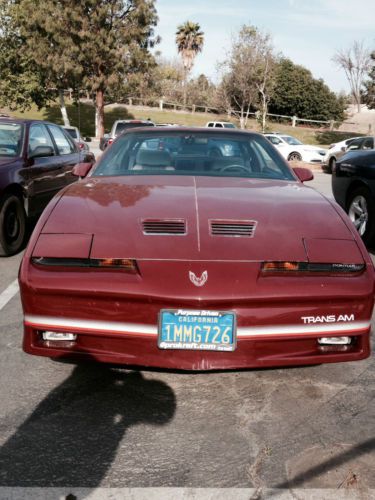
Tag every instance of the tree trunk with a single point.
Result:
(63, 108)
(242, 119)
(185, 86)
(99, 114)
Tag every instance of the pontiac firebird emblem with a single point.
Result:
(198, 281)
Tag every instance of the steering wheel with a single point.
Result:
(234, 167)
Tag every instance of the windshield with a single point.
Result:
(10, 139)
(229, 125)
(121, 126)
(193, 153)
(291, 140)
(72, 132)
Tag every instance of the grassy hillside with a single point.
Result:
(83, 116)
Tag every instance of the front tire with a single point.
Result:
(361, 211)
(294, 156)
(332, 165)
(12, 225)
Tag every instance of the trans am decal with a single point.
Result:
(327, 319)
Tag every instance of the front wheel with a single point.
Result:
(12, 225)
(361, 211)
(332, 165)
(294, 156)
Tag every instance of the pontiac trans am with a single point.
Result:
(165, 255)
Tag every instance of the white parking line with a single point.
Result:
(14, 493)
(8, 293)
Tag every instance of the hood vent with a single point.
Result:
(164, 227)
(233, 228)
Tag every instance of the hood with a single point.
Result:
(283, 215)
(313, 148)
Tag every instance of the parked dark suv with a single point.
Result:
(353, 186)
(36, 161)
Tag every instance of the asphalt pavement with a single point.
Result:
(95, 432)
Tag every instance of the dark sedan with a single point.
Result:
(353, 186)
(36, 161)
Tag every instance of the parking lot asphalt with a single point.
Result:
(106, 432)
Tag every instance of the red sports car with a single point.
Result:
(196, 249)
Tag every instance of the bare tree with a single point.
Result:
(248, 78)
(355, 61)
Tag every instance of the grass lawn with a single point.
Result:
(83, 116)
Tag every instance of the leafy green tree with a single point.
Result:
(22, 82)
(189, 40)
(201, 92)
(297, 93)
(91, 44)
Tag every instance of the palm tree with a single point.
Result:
(189, 40)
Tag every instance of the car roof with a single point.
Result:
(186, 130)
(25, 120)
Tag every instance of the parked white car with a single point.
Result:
(338, 149)
(293, 149)
(221, 124)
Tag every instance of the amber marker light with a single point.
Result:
(310, 268)
(127, 265)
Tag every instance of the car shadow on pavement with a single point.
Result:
(72, 437)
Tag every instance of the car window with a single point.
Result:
(72, 132)
(39, 136)
(219, 125)
(292, 141)
(229, 125)
(274, 140)
(368, 143)
(121, 126)
(193, 153)
(11, 135)
(210, 124)
(356, 144)
(64, 144)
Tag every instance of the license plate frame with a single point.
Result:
(225, 319)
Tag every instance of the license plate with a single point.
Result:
(197, 330)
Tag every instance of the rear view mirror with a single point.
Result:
(81, 169)
(42, 152)
(303, 174)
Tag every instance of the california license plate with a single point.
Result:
(197, 330)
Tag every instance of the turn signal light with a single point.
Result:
(127, 265)
(286, 267)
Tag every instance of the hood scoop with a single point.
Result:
(164, 226)
(233, 228)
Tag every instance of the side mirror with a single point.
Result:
(81, 169)
(303, 174)
(41, 152)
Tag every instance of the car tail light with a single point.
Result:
(127, 265)
(302, 268)
(109, 141)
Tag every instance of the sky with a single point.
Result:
(309, 32)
